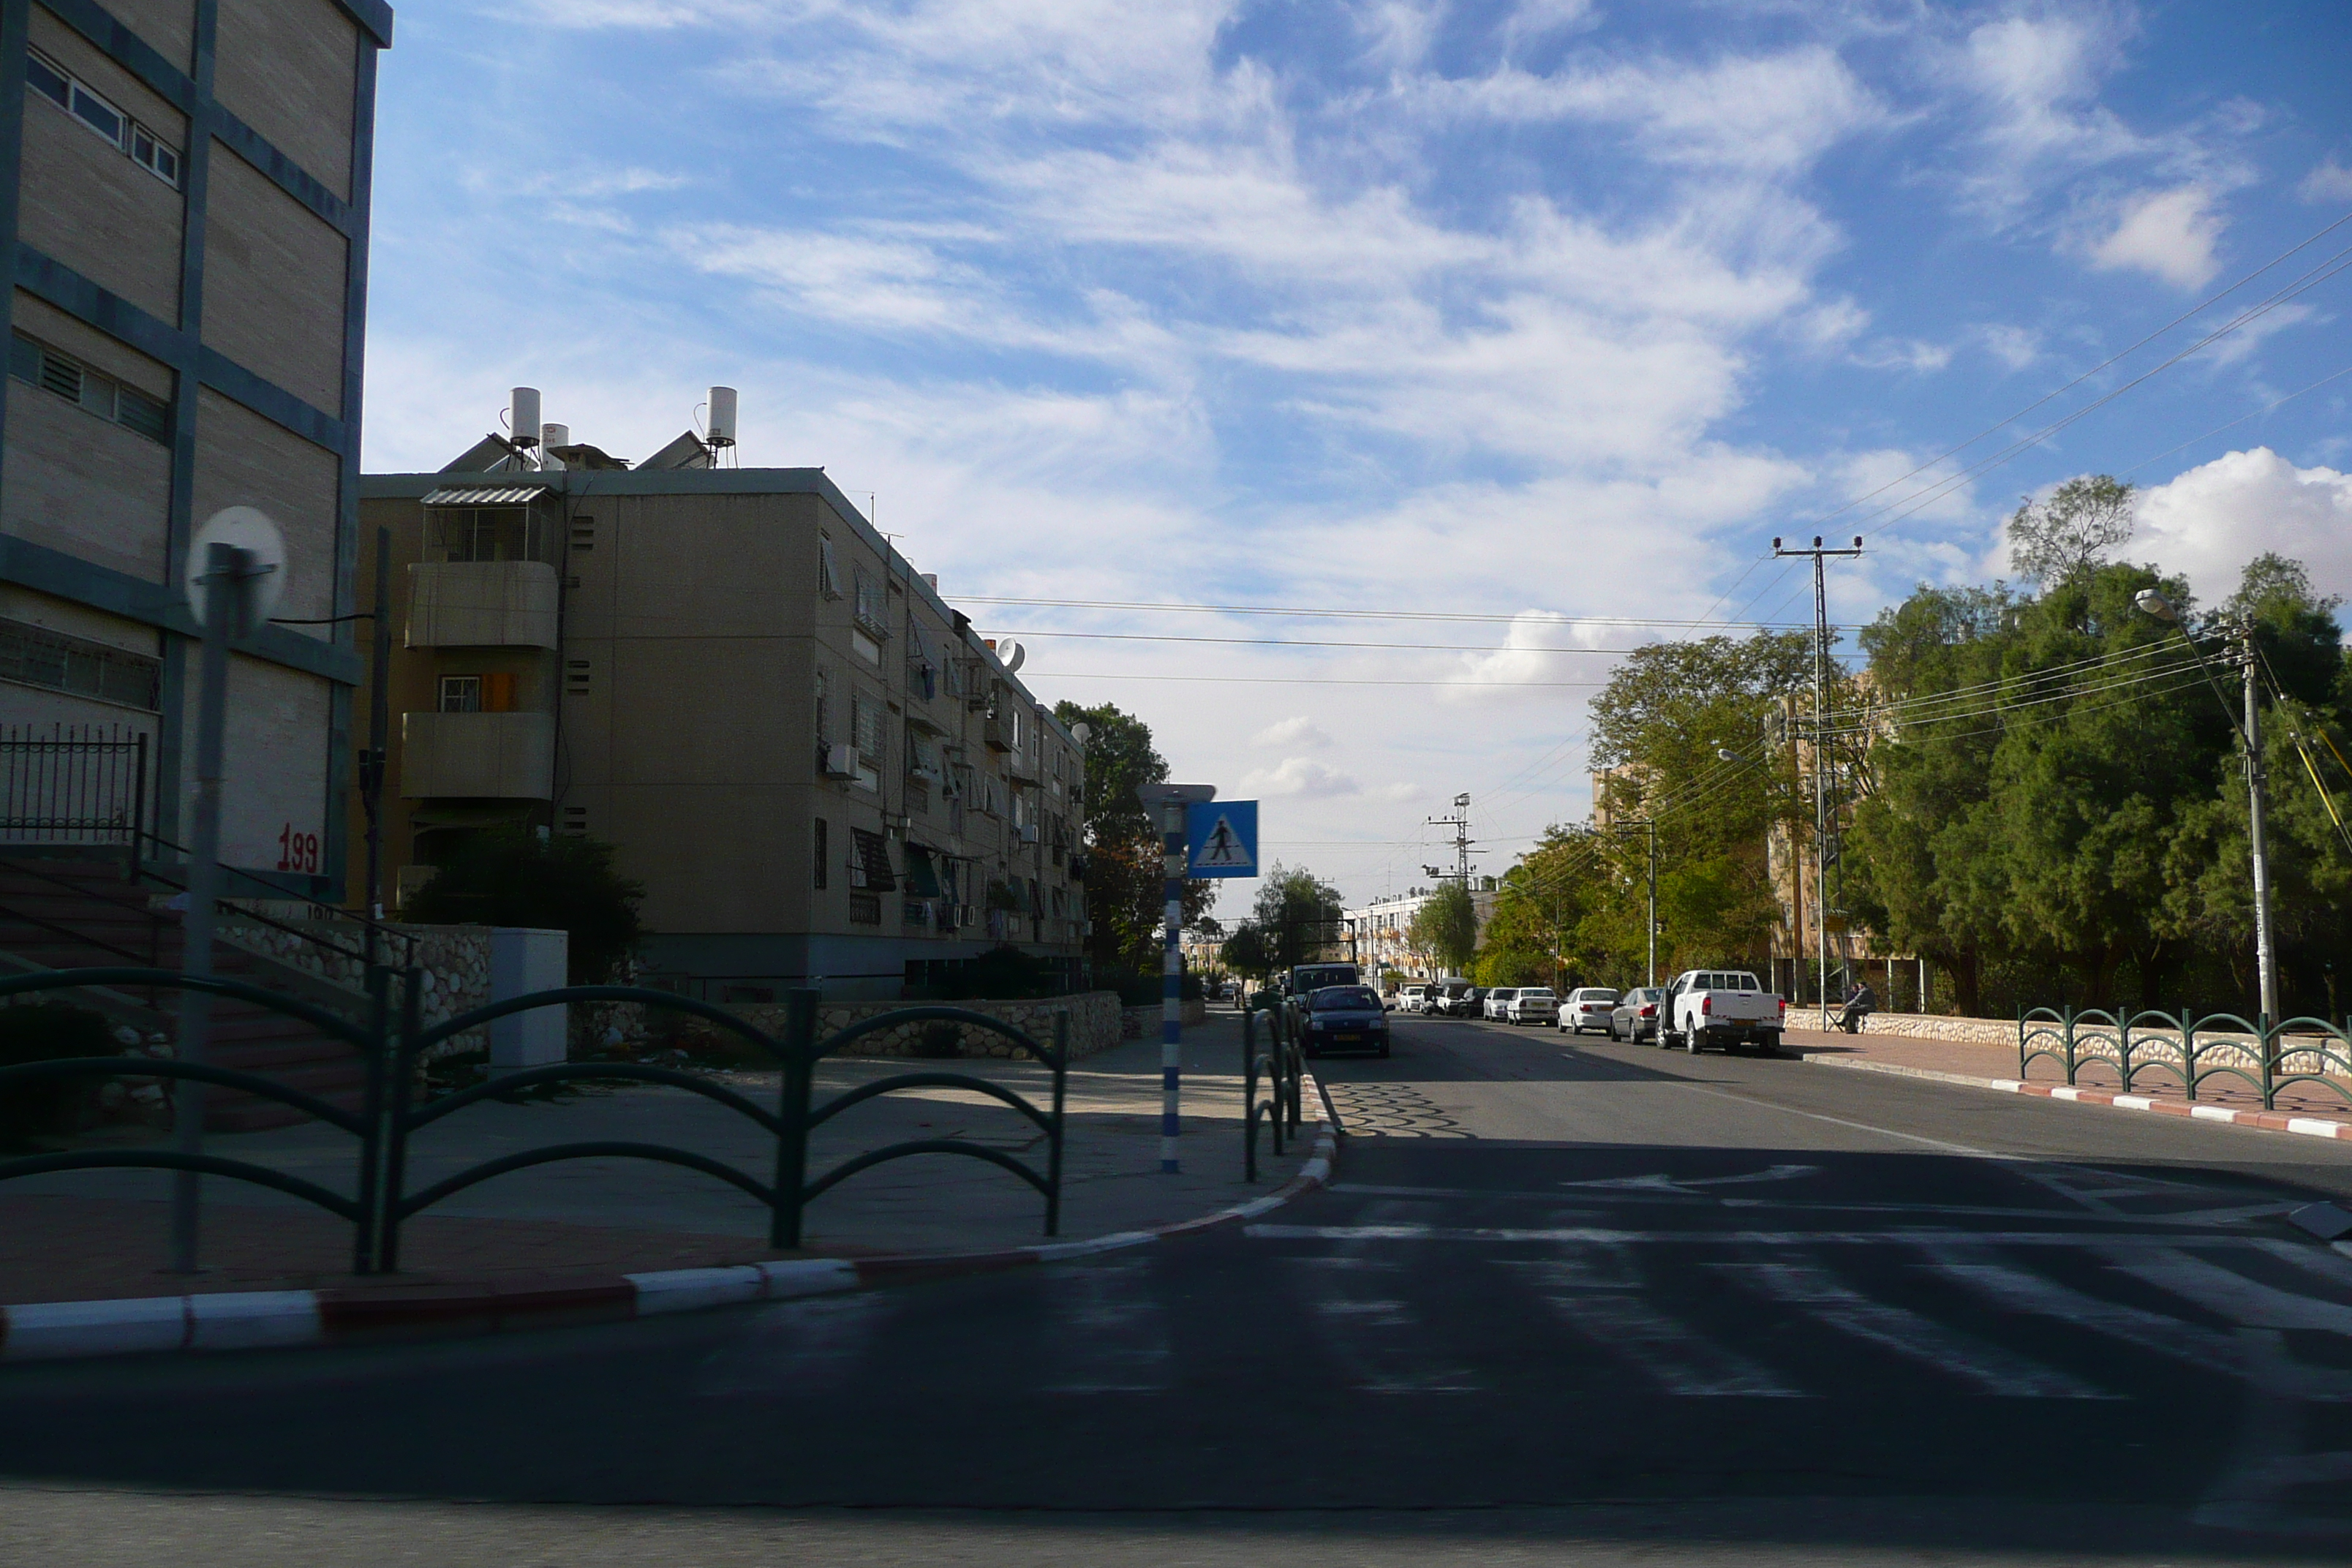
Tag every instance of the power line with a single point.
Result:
(1308, 680)
(1549, 617)
(1304, 642)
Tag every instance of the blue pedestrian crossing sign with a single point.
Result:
(1222, 835)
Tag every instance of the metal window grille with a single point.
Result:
(37, 655)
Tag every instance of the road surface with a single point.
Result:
(1567, 1301)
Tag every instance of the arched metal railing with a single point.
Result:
(2265, 1057)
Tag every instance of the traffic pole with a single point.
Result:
(1172, 985)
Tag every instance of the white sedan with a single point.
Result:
(1587, 1007)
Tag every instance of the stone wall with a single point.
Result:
(1094, 1023)
(455, 959)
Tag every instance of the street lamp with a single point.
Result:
(2151, 603)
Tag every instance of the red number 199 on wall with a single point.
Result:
(297, 851)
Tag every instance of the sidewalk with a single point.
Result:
(2302, 1109)
(89, 1235)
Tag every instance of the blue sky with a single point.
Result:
(1541, 310)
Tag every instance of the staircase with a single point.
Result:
(60, 913)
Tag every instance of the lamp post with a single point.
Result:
(2152, 603)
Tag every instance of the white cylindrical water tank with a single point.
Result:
(522, 415)
(556, 434)
(722, 431)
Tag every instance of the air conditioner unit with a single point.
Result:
(841, 761)
(1028, 831)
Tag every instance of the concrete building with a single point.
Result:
(186, 198)
(816, 769)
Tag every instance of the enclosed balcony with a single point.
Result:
(482, 604)
(489, 756)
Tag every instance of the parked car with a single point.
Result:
(1344, 1018)
(1453, 999)
(1496, 1007)
(1533, 1005)
(1635, 1016)
(1305, 979)
(1413, 998)
(1587, 1008)
(1721, 1008)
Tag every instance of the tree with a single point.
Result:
(1298, 912)
(2082, 520)
(1245, 954)
(505, 877)
(1447, 925)
(1123, 879)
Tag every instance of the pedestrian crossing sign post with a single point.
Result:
(1222, 838)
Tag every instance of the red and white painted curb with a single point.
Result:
(2266, 1121)
(261, 1320)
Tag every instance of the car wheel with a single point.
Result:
(1694, 1042)
(1769, 1045)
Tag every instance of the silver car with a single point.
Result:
(1533, 1005)
(1587, 1007)
(1635, 1016)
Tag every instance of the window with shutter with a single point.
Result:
(828, 573)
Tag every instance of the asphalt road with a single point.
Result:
(1569, 1302)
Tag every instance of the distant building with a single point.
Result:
(188, 210)
(819, 773)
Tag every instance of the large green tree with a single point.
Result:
(1124, 878)
(1298, 914)
(1446, 927)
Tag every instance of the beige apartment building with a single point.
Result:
(187, 199)
(817, 770)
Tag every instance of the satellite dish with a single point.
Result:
(1012, 653)
(249, 528)
(1082, 732)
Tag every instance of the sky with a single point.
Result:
(1547, 316)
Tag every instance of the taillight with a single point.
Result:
(1784, 1004)
(1649, 1011)
(1705, 1006)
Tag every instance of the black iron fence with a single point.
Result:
(2264, 1056)
(72, 783)
(392, 1042)
(1279, 1063)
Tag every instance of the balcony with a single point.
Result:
(482, 604)
(492, 756)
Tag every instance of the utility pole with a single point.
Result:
(1460, 823)
(1170, 801)
(1824, 851)
(2257, 812)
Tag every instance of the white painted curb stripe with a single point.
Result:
(249, 1319)
(48, 1330)
(2308, 1126)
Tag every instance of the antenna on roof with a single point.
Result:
(721, 431)
(522, 408)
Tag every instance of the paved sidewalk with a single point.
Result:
(100, 1234)
(2098, 1081)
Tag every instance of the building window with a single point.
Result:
(37, 655)
(38, 364)
(873, 607)
(490, 533)
(126, 135)
(575, 677)
(824, 854)
(828, 574)
(461, 694)
(869, 862)
(583, 533)
(865, 723)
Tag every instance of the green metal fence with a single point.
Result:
(2190, 1052)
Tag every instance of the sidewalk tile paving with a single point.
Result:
(93, 1234)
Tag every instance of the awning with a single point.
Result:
(485, 495)
(922, 880)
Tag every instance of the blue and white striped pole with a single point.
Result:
(1172, 984)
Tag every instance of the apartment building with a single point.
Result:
(819, 772)
(187, 199)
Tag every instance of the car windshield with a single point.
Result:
(1343, 998)
(1596, 996)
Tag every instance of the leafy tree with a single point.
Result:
(1298, 913)
(1447, 925)
(2082, 520)
(1124, 878)
(1245, 952)
(505, 877)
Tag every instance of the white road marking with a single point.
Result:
(1662, 1183)
(1595, 1291)
(1973, 1153)
(2245, 1301)
(1378, 1340)
(1571, 1234)
(1995, 1368)
(2021, 1292)
(1104, 1330)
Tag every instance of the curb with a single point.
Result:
(2263, 1121)
(278, 1320)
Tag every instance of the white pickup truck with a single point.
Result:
(1723, 1007)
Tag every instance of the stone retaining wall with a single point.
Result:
(1093, 1025)
(454, 960)
(1136, 1022)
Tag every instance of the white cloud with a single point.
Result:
(2211, 520)
(1301, 776)
(1298, 730)
(2015, 347)
(2169, 234)
(2327, 182)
